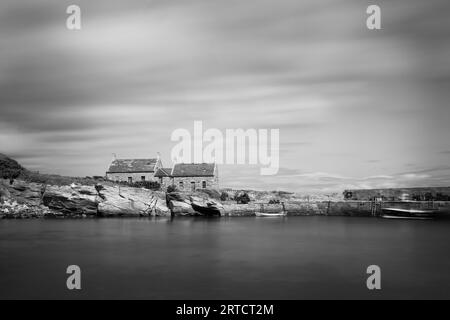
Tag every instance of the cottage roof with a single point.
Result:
(163, 172)
(132, 165)
(193, 170)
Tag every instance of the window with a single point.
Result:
(181, 185)
(130, 180)
(193, 185)
(204, 184)
(142, 178)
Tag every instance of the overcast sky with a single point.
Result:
(355, 108)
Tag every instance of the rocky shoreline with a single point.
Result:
(24, 200)
(28, 194)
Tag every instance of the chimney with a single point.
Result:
(114, 157)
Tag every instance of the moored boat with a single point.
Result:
(263, 214)
(401, 213)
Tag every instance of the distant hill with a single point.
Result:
(11, 169)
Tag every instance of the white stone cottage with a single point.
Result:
(189, 176)
(133, 170)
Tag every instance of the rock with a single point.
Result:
(19, 186)
(32, 199)
(161, 209)
(4, 193)
(181, 208)
(71, 206)
(70, 202)
(23, 192)
(120, 208)
(129, 201)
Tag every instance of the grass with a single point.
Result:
(54, 179)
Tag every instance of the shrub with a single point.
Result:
(224, 196)
(348, 195)
(243, 198)
(9, 168)
(171, 189)
(214, 194)
(151, 185)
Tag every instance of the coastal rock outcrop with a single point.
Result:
(181, 208)
(4, 194)
(198, 204)
(81, 200)
(179, 204)
(12, 209)
(127, 201)
(70, 201)
(22, 192)
(21, 200)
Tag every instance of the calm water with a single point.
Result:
(228, 258)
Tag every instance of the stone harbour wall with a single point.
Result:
(303, 208)
(332, 208)
(397, 194)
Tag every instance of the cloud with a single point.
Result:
(339, 93)
(415, 176)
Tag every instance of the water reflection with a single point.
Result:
(221, 258)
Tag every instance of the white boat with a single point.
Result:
(386, 216)
(263, 214)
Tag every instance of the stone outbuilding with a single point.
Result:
(189, 176)
(192, 176)
(133, 170)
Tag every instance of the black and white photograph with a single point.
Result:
(208, 151)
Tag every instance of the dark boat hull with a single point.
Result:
(399, 213)
(207, 211)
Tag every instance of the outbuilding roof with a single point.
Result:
(193, 170)
(163, 172)
(132, 165)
